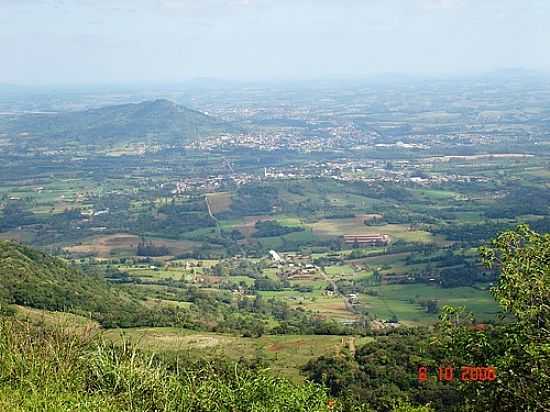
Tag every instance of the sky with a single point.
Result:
(126, 41)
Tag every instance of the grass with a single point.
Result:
(317, 284)
(54, 369)
(288, 295)
(396, 300)
(468, 216)
(394, 259)
(328, 307)
(237, 279)
(289, 221)
(339, 272)
(285, 353)
(384, 309)
(437, 194)
(43, 317)
(271, 273)
(278, 241)
(18, 400)
(156, 274)
(331, 307)
(168, 303)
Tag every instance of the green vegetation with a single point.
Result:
(271, 229)
(33, 279)
(285, 354)
(380, 373)
(52, 370)
(387, 368)
(407, 302)
(520, 349)
(200, 238)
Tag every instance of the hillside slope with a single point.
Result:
(32, 278)
(160, 121)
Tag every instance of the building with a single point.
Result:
(275, 256)
(367, 240)
(353, 299)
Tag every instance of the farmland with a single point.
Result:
(232, 244)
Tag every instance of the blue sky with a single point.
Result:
(106, 41)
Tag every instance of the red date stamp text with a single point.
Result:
(464, 374)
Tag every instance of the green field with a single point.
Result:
(399, 300)
(286, 353)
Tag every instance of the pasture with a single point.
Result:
(285, 353)
(124, 244)
(63, 320)
(401, 301)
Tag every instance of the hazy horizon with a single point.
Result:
(162, 41)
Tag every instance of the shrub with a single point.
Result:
(55, 369)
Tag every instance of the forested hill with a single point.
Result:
(31, 278)
(159, 121)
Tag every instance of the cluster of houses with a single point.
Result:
(87, 213)
(300, 272)
(294, 266)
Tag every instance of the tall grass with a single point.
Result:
(55, 369)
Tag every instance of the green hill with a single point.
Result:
(159, 121)
(32, 278)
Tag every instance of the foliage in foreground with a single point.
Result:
(382, 371)
(519, 350)
(57, 370)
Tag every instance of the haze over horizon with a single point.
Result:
(57, 42)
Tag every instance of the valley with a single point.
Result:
(281, 236)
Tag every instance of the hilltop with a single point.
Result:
(160, 121)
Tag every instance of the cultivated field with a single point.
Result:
(219, 202)
(124, 244)
(340, 227)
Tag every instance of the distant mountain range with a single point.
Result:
(159, 121)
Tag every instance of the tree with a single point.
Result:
(403, 406)
(519, 348)
(376, 276)
(432, 306)
(336, 373)
(524, 286)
